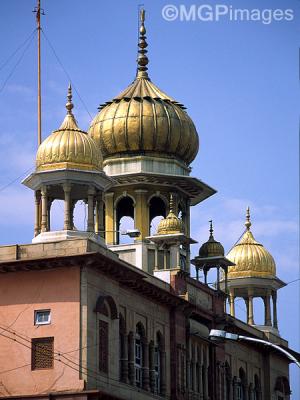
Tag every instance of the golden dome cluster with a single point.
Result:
(143, 120)
(171, 224)
(211, 248)
(68, 147)
(251, 259)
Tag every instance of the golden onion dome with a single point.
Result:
(68, 147)
(143, 120)
(171, 224)
(211, 248)
(251, 259)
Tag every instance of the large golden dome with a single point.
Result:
(68, 147)
(250, 257)
(143, 120)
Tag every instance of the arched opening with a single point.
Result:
(259, 311)
(240, 309)
(227, 389)
(159, 362)
(282, 388)
(157, 211)
(257, 388)
(182, 213)
(56, 215)
(124, 219)
(242, 387)
(139, 354)
(80, 216)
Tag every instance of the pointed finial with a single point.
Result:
(211, 229)
(171, 204)
(142, 60)
(248, 222)
(69, 105)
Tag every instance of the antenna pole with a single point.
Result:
(39, 86)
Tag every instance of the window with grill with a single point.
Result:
(103, 346)
(42, 353)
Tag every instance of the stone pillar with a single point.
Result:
(194, 372)
(163, 372)
(250, 307)
(188, 372)
(268, 321)
(124, 358)
(37, 225)
(231, 302)
(99, 225)
(44, 224)
(48, 213)
(218, 277)
(141, 215)
(145, 367)
(131, 371)
(205, 275)
(152, 365)
(274, 300)
(235, 388)
(109, 218)
(73, 203)
(67, 192)
(91, 217)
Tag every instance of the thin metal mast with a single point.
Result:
(39, 12)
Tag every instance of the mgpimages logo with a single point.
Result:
(222, 12)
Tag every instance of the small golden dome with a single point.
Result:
(68, 147)
(251, 259)
(144, 120)
(211, 248)
(171, 224)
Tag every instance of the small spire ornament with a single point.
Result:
(142, 59)
(248, 222)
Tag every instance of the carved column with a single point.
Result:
(145, 368)
(152, 365)
(231, 302)
(37, 225)
(274, 300)
(131, 372)
(141, 217)
(250, 308)
(268, 321)
(44, 224)
(48, 213)
(91, 220)
(109, 218)
(218, 277)
(67, 193)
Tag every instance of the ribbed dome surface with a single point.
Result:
(68, 147)
(251, 259)
(144, 120)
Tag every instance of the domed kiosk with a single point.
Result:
(253, 275)
(69, 168)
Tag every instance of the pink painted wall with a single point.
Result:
(21, 293)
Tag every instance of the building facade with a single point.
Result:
(83, 315)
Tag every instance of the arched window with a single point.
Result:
(139, 354)
(157, 211)
(282, 388)
(242, 385)
(124, 218)
(227, 389)
(106, 310)
(257, 388)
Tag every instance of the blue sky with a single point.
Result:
(239, 81)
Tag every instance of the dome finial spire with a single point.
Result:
(142, 59)
(69, 105)
(171, 203)
(211, 229)
(248, 222)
